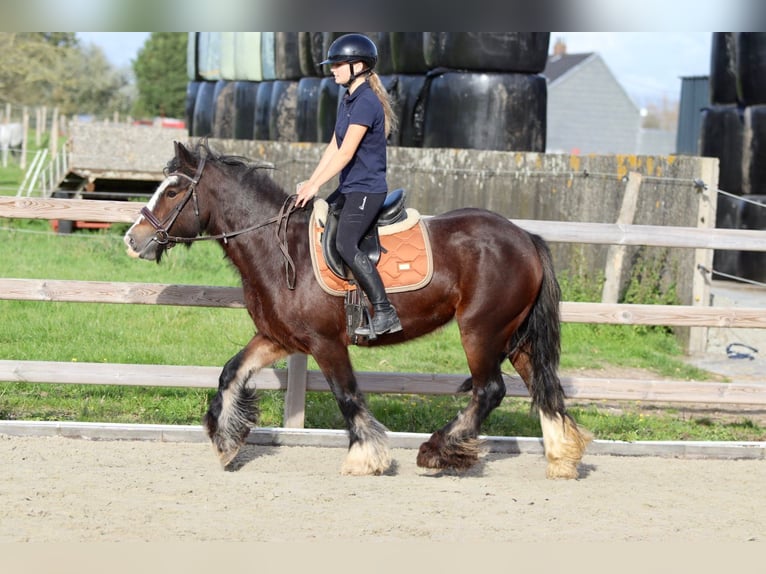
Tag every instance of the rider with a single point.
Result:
(357, 151)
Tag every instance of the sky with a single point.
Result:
(649, 65)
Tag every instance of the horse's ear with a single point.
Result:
(182, 154)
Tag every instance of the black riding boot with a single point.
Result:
(385, 319)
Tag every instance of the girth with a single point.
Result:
(392, 211)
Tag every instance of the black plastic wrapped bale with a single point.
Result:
(382, 41)
(721, 132)
(204, 104)
(407, 56)
(283, 111)
(754, 151)
(518, 52)
(307, 118)
(753, 263)
(223, 116)
(723, 68)
(191, 99)
(245, 94)
(485, 111)
(406, 92)
(287, 62)
(728, 215)
(192, 57)
(327, 39)
(389, 84)
(327, 109)
(310, 53)
(262, 110)
(751, 68)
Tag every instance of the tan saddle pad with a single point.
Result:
(406, 261)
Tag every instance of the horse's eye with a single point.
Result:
(172, 193)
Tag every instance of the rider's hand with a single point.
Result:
(305, 190)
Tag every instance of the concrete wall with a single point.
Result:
(121, 150)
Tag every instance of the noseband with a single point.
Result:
(162, 237)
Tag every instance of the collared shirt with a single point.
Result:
(367, 169)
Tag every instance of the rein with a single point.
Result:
(162, 236)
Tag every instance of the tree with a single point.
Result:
(661, 115)
(161, 80)
(52, 69)
(28, 67)
(92, 85)
(59, 39)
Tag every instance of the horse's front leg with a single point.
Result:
(234, 407)
(368, 450)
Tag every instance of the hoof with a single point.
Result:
(228, 449)
(439, 454)
(367, 459)
(358, 470)
(565, 443)
(562, 469)
(429, 457)
(226, 457)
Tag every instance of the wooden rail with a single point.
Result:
(591, 388)
(555, 231)
(205, 296)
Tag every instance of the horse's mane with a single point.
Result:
(250, 174)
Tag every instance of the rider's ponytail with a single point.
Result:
(392, 122)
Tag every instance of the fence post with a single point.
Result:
(6, 119)
(25, 132)
(38, 112)
(295, 397)
(703, 258)
(615, 257)
(53, 145)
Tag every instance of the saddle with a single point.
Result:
(397, 244)
(392, 211)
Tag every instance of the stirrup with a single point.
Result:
(357, 313)
(393, 325)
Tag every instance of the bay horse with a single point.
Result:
(494, 278)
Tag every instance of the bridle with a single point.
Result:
(163, 237)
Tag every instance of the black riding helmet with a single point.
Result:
(351, 48)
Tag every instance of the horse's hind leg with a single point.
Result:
(233, 408)
(456, 445)
(368, 450)
(563, 439)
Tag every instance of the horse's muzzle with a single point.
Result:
(140, 249)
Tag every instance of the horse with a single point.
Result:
(494, 278)
(11, 138)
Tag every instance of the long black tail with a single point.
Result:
(540, 337)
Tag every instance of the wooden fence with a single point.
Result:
(296, 379)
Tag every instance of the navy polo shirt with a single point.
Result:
(367, 169)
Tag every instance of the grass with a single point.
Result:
(152, 334)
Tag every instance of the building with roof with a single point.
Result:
(589, 112)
